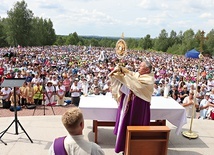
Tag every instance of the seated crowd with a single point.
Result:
(201, 97)
(56, 72)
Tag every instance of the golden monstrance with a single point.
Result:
(121, 48)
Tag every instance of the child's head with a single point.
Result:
(73, 121)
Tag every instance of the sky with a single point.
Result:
(111, 18)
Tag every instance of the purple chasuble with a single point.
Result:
(137, 113)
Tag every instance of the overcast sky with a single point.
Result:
(136, 18)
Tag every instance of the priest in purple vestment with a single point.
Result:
(133, 92)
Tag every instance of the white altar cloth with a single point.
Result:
(104, 108)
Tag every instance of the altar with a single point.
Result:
(104, 108)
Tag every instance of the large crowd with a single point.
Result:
(69, 71)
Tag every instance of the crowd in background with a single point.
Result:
(74, 70)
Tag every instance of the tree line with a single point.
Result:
(22, 28)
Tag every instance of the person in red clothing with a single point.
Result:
(9, 75)
(67, 84)
(1, 70)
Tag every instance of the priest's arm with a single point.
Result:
(141, 85)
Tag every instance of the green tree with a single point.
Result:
(73, 39)
(188, 41)
(3, 35)
(70, 39)
(161, 43)
(86, 42)
(76, 38)
(197, 41)
(37, 32)
(94, 42)
(42, 32)
(61, 40)
(179, 38)
(140, 43)
(48, 32)
(175, 49)
(210, 43)
(132, 43)
(105, 42)
(172, 38)
(147, 42)
(19, 24)
(113, 44)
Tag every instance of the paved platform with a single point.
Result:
(43, 129)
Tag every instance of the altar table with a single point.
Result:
(103, 108)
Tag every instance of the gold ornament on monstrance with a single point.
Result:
(121, 48)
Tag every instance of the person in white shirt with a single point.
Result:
(6, 93)
(85, 86)
(36, 79)
(19, 75)
(210, 84)
(107, 87)
(55, 83)
(75, 92)
(204, 105)
(157, 91)
(54, 80)
(211, 104)
(188, 103)
(49, 93)
(74, 143)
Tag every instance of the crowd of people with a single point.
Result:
(72, 71)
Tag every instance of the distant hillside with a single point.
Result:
(99, 37)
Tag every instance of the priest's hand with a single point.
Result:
(124, 70)
(116, 69)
